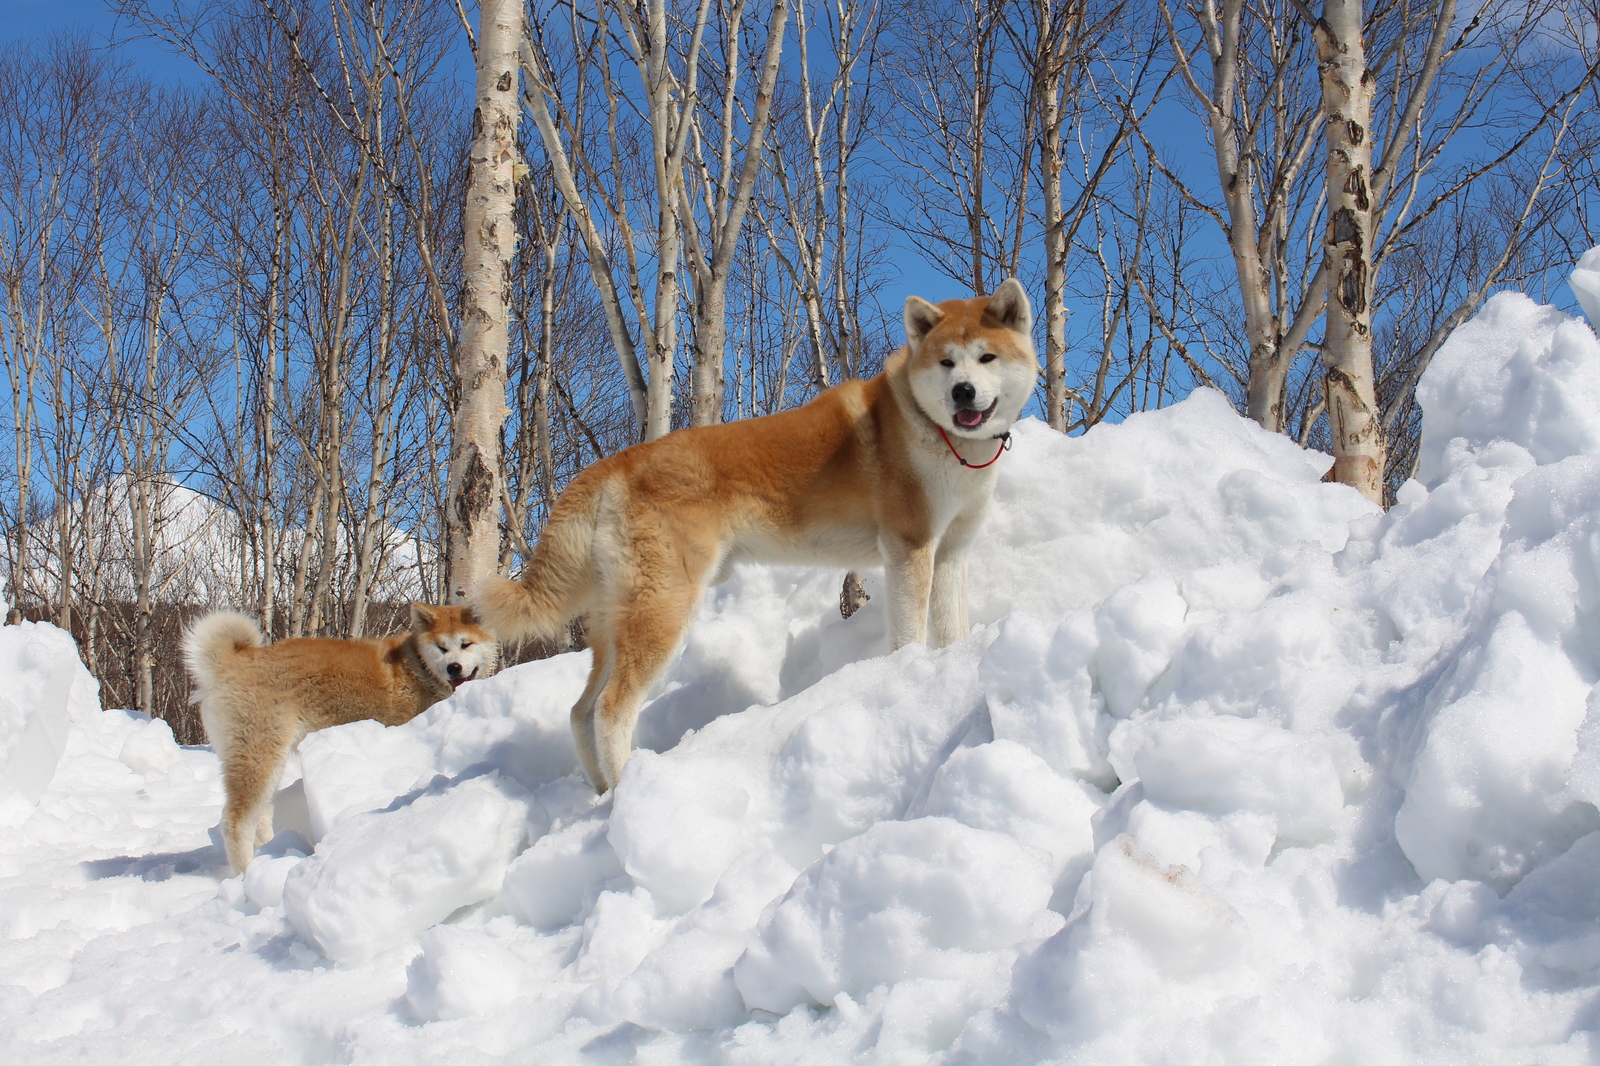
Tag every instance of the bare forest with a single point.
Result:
(324, 325)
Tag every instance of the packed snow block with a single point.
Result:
(871, 736)
(1145, 923)
(1486, 797)
(677, 823)
(1585, 284)
(903, 899)
(1425, 562)
(43, 680)
(1517, 371)
(461, 973)
(1221, 765)
(1139, 627)
(1005, 788)
(150, 748)
(1276, 662)
(266, 875)
(683, 985)
(1549, 569)
(549, 885)
(1040, 693)
(686, 983)
(380, 878)
(519, 721)
(516, 722)
(358, 767)
(1180, 922)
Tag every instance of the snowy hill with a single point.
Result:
(1233, 769)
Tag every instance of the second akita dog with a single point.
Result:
(896, 471)
(258, 701)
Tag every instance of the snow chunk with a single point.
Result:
(357, 767)
(1485, 800)
(1040, 693)
(1221, 765)
(1165, 492)
(461, 973)
(902, 900)
(381, 878)
(676, 824)
(549, 885)
(150, 748)
(1003, 787)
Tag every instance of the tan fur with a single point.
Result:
(259, 701)
(858, 477)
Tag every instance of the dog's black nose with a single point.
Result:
(454, 669)
(963, 393)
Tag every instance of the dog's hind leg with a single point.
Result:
(645, 639)
(583, 718)
(250, 776)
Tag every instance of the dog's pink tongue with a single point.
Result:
(457, 682)
(969, 418)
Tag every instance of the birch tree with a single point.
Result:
(1350, 388)
(472, 506)
(727, 181)
(1294, 241)
(1059, 42)
(815, 216)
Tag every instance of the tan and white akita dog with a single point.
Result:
(896, 471)
(258, 701)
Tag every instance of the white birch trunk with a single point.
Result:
(472, 507)
(1347, 89)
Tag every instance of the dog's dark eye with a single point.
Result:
(441, 647)
(987, 357)
(465, 644)
(947, 362)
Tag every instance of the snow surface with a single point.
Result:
(1233, 769)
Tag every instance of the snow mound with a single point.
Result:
(1585, 284)
(1232, 768)
(45, 685)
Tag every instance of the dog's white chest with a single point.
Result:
(953, 489)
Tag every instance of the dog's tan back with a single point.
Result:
(257, 701)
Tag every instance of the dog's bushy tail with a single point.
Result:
(556, 583)
(211, 643)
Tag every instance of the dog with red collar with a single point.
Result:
(895, 471)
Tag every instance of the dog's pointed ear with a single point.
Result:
(1010, 305)
(921, 317)
(422, 616)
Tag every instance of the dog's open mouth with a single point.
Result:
(457, 682)
(972, 418)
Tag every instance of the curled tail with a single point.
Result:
(212, 642)
(556, 583)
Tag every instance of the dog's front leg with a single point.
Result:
(948, 599)
(909, 570)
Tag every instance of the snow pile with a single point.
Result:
(46, 685)
(1585, 284)
(1233, 768)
